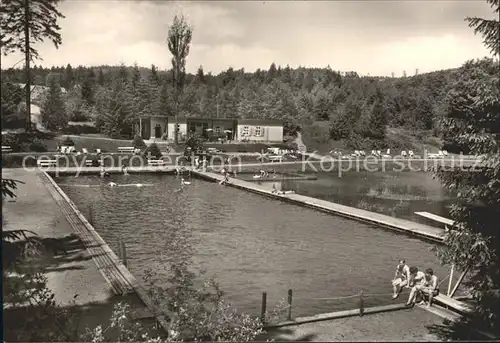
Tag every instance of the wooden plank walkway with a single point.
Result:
(416, 229)
(459, 306)
(109, 265)
(436, 218)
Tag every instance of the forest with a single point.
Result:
(325, 104)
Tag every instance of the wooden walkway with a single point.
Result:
(109, 265)
(406, 226)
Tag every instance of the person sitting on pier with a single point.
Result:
(431, 288)
(417, 283)
(401, 278)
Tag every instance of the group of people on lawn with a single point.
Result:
(422, 284)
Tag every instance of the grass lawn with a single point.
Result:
(316, 138)
(406, 325)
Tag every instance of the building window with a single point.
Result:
(246, 131)
(258, 131)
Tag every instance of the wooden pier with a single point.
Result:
(406, 226)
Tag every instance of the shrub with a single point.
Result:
(138, 142)
(67, 141)
(153, 151)
(37, 146)
(79, 129)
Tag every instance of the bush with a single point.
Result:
(67, 141)
(153, 151)
(138, 142)
(37, 146)
(79, 129)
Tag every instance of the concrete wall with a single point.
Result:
(260, 133)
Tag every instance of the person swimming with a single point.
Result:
(183, 182)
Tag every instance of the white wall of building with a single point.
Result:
(171, 130)
(260, 133)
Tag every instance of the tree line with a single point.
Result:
(351, 104)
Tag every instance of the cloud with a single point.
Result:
(375, 37)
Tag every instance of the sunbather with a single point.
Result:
(431, 288)
(417, 283)
(401, 278)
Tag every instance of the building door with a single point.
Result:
(158, 131)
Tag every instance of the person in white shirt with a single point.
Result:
(431, 288)
(417, 283)
(401, 278)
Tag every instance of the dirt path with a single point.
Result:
(408, 325)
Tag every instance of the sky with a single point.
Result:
(370, 37)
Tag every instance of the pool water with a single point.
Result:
(252, 244)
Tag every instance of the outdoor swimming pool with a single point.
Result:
(251, 243)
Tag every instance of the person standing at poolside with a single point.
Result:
(401, 278)
(417, 282)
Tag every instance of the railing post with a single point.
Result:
(91, 215)
(290, 293)
(263, 308)
(361, 304)
(460, 279)
(123, 253)
(451, 279)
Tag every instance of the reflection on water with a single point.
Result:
(398, 194)
(251, 243)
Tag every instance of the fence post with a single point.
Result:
(123, 253)
(361, 304)
(290, 293)
(451, 279)
(263, 308)
(91, 215)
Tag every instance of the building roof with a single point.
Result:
(270, 122)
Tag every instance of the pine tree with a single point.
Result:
(473, 119)
(101, 79)
(53, 109)
(153, 76)
(24, 21)
(489, 29)
(117, 113)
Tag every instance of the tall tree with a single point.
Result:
(53, 109)
(179, 39)
(23, 22)
(473, 119)
(489, 29)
